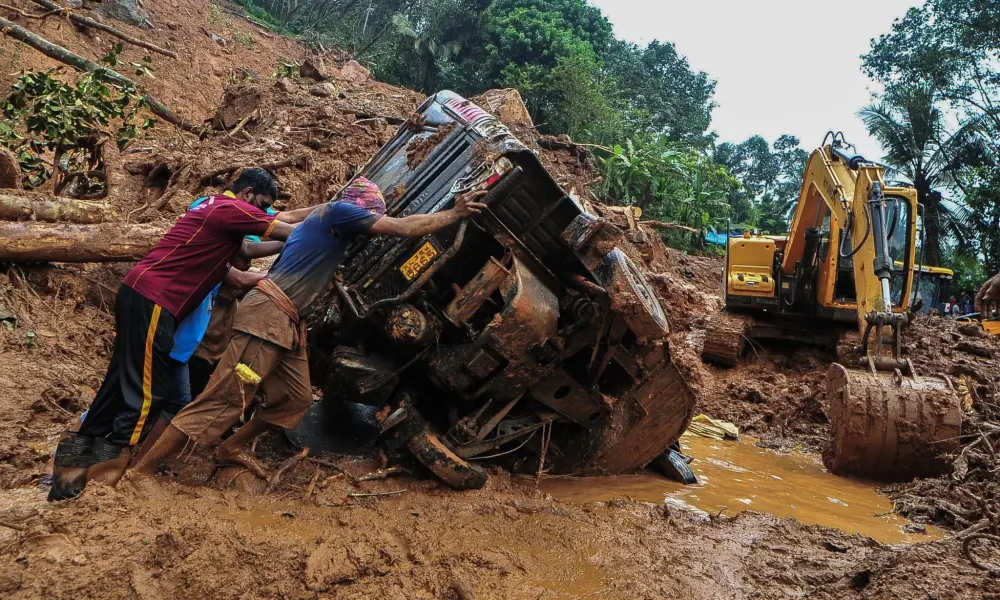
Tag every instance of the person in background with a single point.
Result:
(965, 303)
(206, 356)
(156, 295)
(268, 348)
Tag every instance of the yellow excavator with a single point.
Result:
(848, 259)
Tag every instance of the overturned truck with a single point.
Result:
(525, 334)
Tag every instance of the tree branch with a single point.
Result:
(26, 15)
(88, 22)
(80, 63)
(108, 242)
(14, 207)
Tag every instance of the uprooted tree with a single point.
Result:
(51, 122)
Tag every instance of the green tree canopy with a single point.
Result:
(920, 148)
(771, 177)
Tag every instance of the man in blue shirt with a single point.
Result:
(269, 330)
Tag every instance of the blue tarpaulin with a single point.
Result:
(717, 237)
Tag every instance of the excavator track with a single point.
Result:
(726, 336)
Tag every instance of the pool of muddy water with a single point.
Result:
(738, 476)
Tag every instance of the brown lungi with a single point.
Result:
(284, 373)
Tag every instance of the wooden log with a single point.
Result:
(88, 22)
(82, 64)
(107, 242)
(50, 210)
(663, 225)
(299, 160)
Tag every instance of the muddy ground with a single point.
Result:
(199, 534)
(221, 537)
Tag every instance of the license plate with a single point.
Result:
(416, 263)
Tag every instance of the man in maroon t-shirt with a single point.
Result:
(166, 285)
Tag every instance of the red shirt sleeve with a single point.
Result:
(240, 218)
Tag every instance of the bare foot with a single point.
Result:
(143, 487)
(110, 471)
(241, 458)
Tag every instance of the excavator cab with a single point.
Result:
(931, 288)
(899, 234)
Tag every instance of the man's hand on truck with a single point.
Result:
(415, 226)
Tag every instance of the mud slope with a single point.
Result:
(191, 84)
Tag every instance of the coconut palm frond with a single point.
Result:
(892, 132)
(403, 26)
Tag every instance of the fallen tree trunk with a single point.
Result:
(87, 22)
(109, 242)
(299, 160)
(663, 225)
(50, 210)
(82, 64)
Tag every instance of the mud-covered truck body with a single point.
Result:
(526, 330)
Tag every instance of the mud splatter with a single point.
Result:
(420, 148)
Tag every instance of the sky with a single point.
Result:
(782, 66)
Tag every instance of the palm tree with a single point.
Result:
(920, 148)
(429, 49)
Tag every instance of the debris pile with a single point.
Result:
(964, 353)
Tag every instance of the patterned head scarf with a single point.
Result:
(366, 195)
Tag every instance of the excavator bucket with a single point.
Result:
(889, 426)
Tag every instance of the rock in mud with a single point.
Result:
(237, 105)
(329, 565)
(127, 11)
(313, 68)
(286, 85)
(10, 170)
(323, 90)
(325, 112)
(354, 72)
(507, 105)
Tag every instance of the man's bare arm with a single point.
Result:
(988, 298)
(295, 216)
(242, 279)
(254, 250)
(415, 226)
(281, 231)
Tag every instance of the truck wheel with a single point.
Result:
(445, 464)
(633, 297)
(672, 464)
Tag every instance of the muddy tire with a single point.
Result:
(445, 464)
(672, 464)
(633, 297)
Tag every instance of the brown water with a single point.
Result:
(738, 476)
